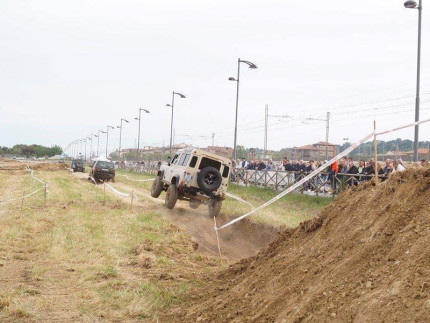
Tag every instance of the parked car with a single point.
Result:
(78, 165)
(103, 171)
(196, 176)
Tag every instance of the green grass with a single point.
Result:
(289, 210)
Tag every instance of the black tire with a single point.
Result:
(209, 179)
(113, 179)
(194, 204)
(214, 207)
(157, 187)
(171, 196)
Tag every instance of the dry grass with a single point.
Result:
(80, 259)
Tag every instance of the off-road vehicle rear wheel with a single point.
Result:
(214, 207)
(209, 180)
(157, 187)
(171, 196)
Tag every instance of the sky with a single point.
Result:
(70, 68)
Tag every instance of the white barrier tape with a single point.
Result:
(402, 127)
(239, 199)
(116, 191)
(136, 180)
(301, 182)
(23, 197)
(121, 193)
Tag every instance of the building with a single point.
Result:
(221, 151)
(315, 151)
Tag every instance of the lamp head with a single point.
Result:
(232, 79)
(410, 4)
(180, 95)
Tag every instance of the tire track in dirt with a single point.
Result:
(240, 241)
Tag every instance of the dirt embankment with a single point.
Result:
(365, 258)
(16, 165)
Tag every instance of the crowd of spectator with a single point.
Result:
(343, 169)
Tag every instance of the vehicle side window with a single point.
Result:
(185, 160)
(181, 160)
(193, 162)
(175, 159)
(225, 171)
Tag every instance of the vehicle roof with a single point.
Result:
(201, 152)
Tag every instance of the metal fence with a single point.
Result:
(139, 168)
(324, 183)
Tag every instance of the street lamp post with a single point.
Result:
(171, 119)
(98, 140)
(86, 138)
(120, 135)
(91, 149)
(107, 139)
(253, 66)
(138, 132)
(413, 5)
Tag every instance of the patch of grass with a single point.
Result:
(290, 210)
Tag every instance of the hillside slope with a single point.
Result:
(365, 258)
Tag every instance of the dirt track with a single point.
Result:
(242, 240)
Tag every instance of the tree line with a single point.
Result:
(31, 151)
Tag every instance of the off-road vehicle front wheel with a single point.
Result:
(214, 207)
(157, 187)
(171, 196)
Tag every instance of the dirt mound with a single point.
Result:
(365, 258)
(48, 166)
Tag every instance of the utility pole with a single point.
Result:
(213, 138)
(266, 119)
(327, 131)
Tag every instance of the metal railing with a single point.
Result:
(322, 184)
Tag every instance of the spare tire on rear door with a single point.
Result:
(209, 180)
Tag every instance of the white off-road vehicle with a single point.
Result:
(194, 175)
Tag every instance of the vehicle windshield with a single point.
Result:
(105, 164)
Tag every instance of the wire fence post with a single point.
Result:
(44, 194)
(375, 145)
(132, 197)
(104, 193)
(22, 201)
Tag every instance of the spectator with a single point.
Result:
(397, 166)
(384, 172)
(311, 167)
(343, 166)
(423, 163)
(302, 166)
(261, 165)
(270, 165)
(287, 166)
(352, 168)
(369, 169)
(361, 166)
(251, 165)
(244, 163)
